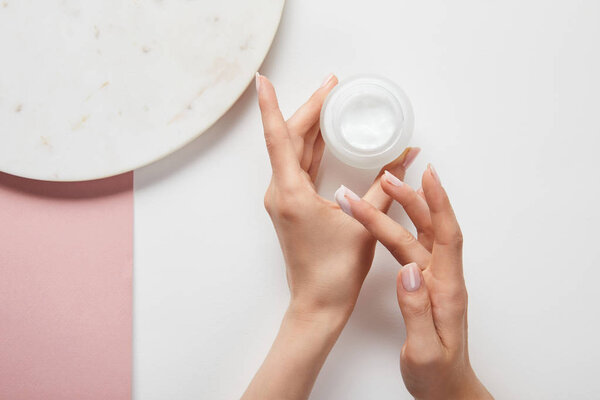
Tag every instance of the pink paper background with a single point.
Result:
(66, 256)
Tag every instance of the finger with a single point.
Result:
(399, 241)
(415, 304)
(281, 152)
(317, 156)
(306, 116)
(308, 149)
(415, 206)
(447, 242)
(421, 193)
(375, 195)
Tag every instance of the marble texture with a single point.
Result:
(91, 89)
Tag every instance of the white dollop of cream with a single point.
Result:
(368, 121)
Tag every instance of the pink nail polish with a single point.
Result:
(434, 173)
(341, 196)
(392, 179)
(410, 157)
(411, 277)
(257, 81)
(327, 80)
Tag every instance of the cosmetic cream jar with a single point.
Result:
(367, 121)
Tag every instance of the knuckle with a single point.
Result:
(269, 142)
(419, 310)
(268, 199)
(281, 202)
(370, 216)
(288, 190)
(425, 235)
(458, 237)
(286, 208)
(401, 250)
(268, 204)
(287, 211)
(404, 237)
(423, 358)
(455, 299)
(461, 299)
(452, 236)
(400, 241)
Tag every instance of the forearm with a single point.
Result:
(297, 355)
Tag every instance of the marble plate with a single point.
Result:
(90, 89)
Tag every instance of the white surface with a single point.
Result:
(90, 89)
(506, 104)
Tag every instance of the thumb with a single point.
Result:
(414, 302)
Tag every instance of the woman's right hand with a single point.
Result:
(430, 287)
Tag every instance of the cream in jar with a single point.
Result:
(367, 121)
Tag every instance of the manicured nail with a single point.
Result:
(341, 196)
(410, 156)
(411, 277)
(327, 80)
(392, 179)
(257, 80)
(434, 173)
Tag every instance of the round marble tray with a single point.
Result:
(90, 89)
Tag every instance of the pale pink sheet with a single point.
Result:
(66, 256)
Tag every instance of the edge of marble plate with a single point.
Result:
(179, 146)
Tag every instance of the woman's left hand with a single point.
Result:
(327, 253)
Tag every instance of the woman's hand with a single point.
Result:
(430, 287)
(327, 253)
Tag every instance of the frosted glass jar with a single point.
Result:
(367, 121)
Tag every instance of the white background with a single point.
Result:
(506, 98)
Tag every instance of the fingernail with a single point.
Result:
(257, 80)
(411, 277)
(420, 192)
(327, 80)
(434, 173)
(392, 179)
(413, 152)
(340, 196)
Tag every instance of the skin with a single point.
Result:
(328, 255)
(434, 360)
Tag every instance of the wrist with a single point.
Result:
(324, 319)
(303, 342)
(468, 387)
(323, 302)
(474, 389)
(463, 386)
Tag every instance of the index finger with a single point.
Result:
(283, 158)
(447, 236)
(398, 240)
